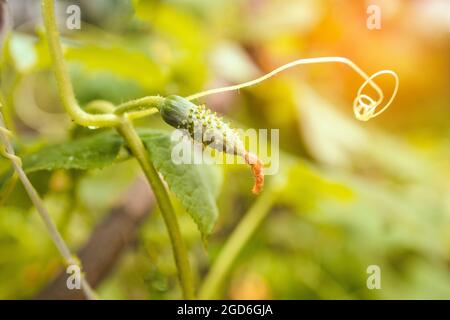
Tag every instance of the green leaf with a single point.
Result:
(195, 185)
(92, 152)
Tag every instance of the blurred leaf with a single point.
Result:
(26, 254)
(101, 85)
(305, 188)
(232, 63)
(330, 136)
(337, 140)
(179, 43)
(123, 62)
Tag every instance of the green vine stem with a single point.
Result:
(148, 105)
(59, 242)
(62, 78)
(123, 124)
(240, 236)
(179, 250)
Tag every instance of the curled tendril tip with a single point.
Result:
(182, 113)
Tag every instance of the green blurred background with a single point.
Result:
(349, 194)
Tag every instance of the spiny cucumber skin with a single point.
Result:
(175, 110)
(203, 125)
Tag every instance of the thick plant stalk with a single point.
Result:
(62, 77)
(59, 242)
(179, 249)
(236, 242)
(120, 122)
